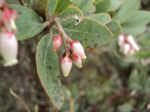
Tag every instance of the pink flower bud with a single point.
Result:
(9, 48)
(57, 41)
(77, 61)
(2, 2)
(133, 43)
(78, 49)
(8, 18)
(66, 65)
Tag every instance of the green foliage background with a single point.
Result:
(108, 82)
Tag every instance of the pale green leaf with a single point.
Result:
(102, 6)
(127, 107)
(71, 12)
(136, 24)
(61, 5)
(115, 27)
(135, 81)
(87, 7)
(55, 7)
(101, 17)
(115, 4)
(50, 8)
(48, 70)
(29, 24)
(127, 10)
(89, 32)
(76, 2)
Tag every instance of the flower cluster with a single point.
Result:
(8, 42)
(75, 54)
(127, 44)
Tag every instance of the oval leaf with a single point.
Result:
(115, 4)
(55, 7)
(61, 5)
(127, 10)
(115, 27)
(101, 17)
(76, 2)
(102, 6)
(29, 23)
(50, 8)
(89, 32)
(48, 70)
(87, 6)
(136, 24)
(71, 12)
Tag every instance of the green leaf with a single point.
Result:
(29, 24)
(127, 10)
(102, 6)
(71, 12)
(48, 70)
(127, 107)
(143, 54)
(101, 17)
(133, 30)
(76, 2)
(144, 41)
(115, 4)
(136, 24)
(115, 27)
(147, 85)
(50, 8)
(87, 6)
(89, 32)
(61, 5)
(55, 7)
(135, 81)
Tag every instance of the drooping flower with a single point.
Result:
(127, 44)
(78, 49)
(57, 41)
(121, 41)
(126, 49)
(9, 48)
(66, 65)
(133, 43)
(2, 3)
(8, 18)
(77, 60)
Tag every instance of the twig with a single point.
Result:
(46, 24)
(71, 101)
(60, 28)
(65, 36)
(20, 99)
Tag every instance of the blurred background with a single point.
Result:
(107, 83)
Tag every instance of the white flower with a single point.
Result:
(133, 43)
(9, 48)
(66, 65)
(78, 49)
(126, 49)
(127, 44)
(77, 60)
